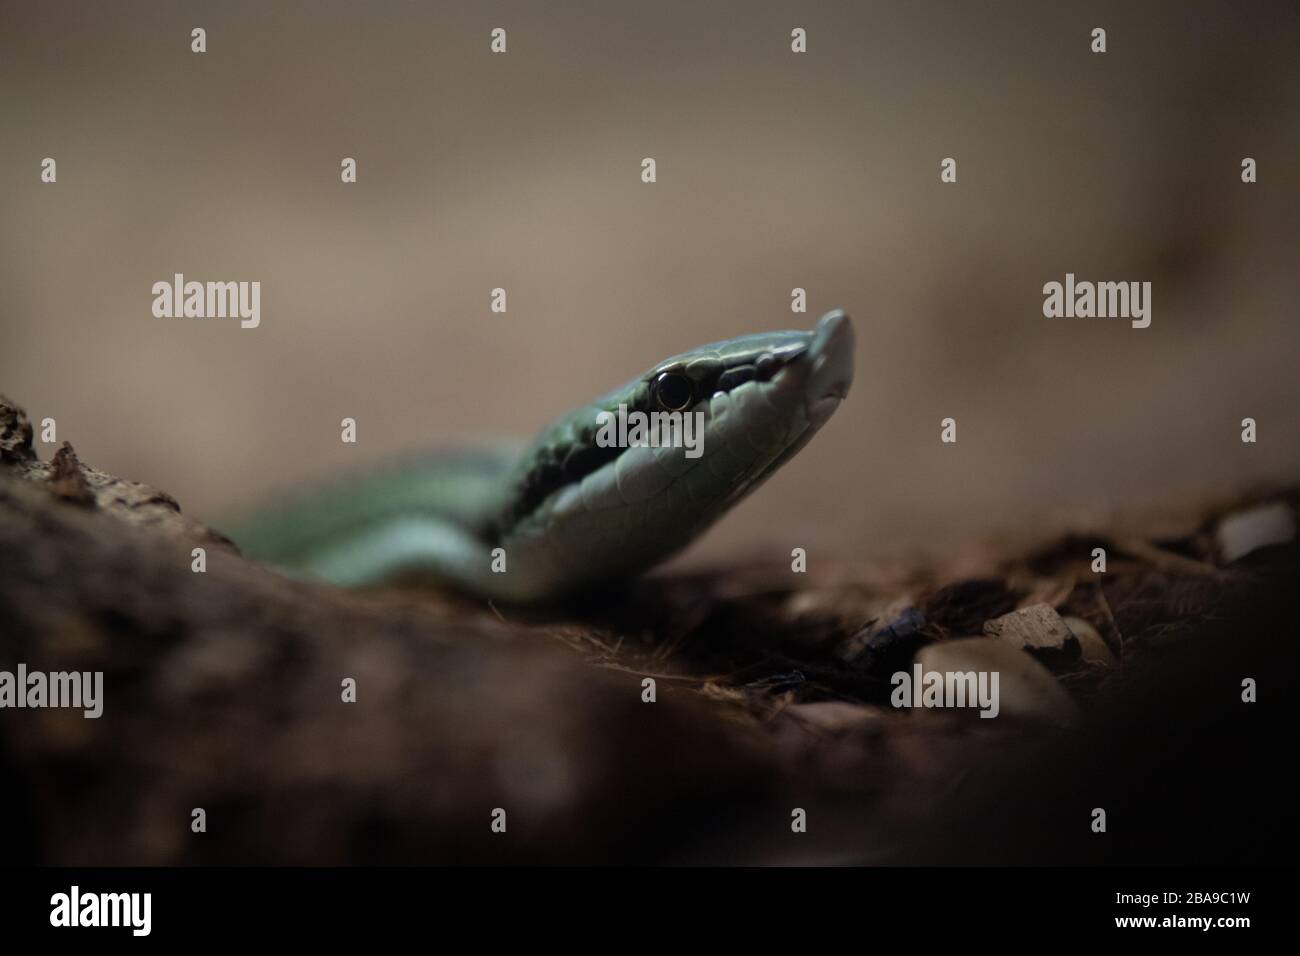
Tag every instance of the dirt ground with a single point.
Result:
(1122, 690)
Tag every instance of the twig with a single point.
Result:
(1110, 616)
(1167, 560)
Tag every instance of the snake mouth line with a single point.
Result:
(818, 364)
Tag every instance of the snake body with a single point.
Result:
(566, 514)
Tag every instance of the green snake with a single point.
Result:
(568, 513)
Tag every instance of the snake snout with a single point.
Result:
(831, 357)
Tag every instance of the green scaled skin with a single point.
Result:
(565, 514)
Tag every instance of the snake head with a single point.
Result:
(580, 511)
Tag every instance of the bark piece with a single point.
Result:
(1037, 629)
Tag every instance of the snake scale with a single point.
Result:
(568, 514)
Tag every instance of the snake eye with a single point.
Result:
(673, 391)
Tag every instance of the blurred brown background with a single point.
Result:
(775, 171)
